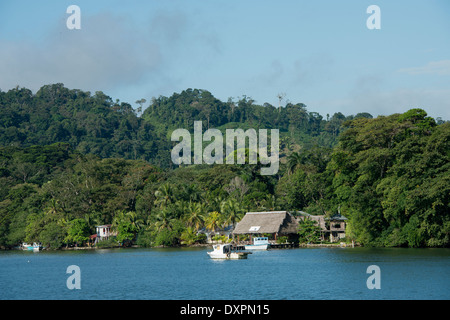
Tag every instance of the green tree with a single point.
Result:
(53, 235)
(391, 176)
(308, 231)
(195, 215)
(231, 211)
(162, 220)
(213, 221)
(125, 231)
(78, 231)
(294, 161)
(127, 225)
(164, 196)
(189, 236)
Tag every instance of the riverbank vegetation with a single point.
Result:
(71, 160)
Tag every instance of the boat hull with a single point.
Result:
(227, 252)
(28, 247)
(257, 247)
(230, 256)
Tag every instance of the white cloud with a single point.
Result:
(112, 53)
(313, 69)
(441, 67)
(106, 53)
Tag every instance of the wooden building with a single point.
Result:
(272, 223)
(331, 228)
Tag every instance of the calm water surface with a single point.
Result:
(304, 273)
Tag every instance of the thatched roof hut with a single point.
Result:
(276, 222)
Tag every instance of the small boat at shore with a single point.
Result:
(35, 247)
(259, 243)
(227, 251)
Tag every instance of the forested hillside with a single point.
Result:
(90, 123)
(94, 123)
(70, 160)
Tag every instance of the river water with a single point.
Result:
(189, 274)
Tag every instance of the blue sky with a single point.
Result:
(316, 52)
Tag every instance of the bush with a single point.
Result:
(221, 238)
(52, 236)
(308, 231)
(282, 239)
(189, 236)
(167, 238)
(109, 243)
(145, 239)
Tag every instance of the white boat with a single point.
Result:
(227, 251)
(31, 247)
(259, 243)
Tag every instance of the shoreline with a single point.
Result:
(198, 245)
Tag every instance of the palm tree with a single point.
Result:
(232, 211)
(213, 221)
(195, 215)
(163, 220)
(188, 236)
(294, 160)
(178, 208)
(90, 220)
(126, 224)
(269, 202)
(118, 218)
(213, 201)
(54, 212)
(136, 222)
(164, 195)
(53, 209)
(193, 192)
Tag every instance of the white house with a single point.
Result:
(104, 232)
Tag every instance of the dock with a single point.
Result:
(289, 245)
(283, 245)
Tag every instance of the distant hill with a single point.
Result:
(91, 123)
(95, 123)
